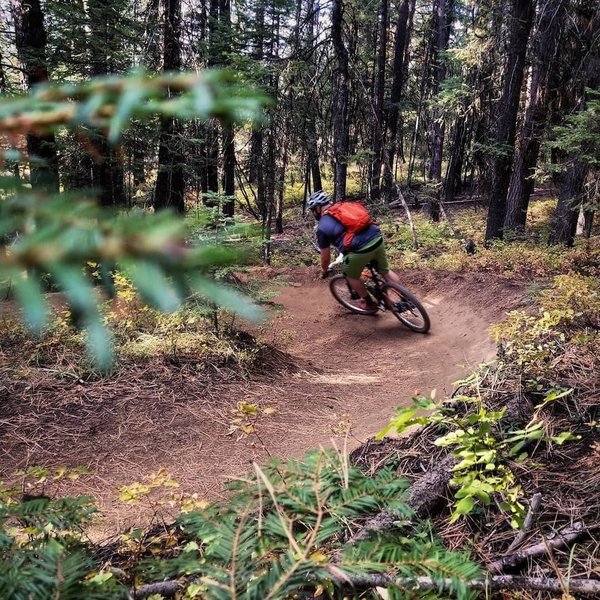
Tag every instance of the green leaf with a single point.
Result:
(29, 294)
(153, 286)
(129, 101)
(225, 297)
(77, 289)
(100, 345)
(563, 437)
(462, 507)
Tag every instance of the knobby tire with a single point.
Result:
(414, 316)
(340, 291)
(410, 313)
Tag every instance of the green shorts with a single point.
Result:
(355, 262)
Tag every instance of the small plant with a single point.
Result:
(275, 537)
(483, 448)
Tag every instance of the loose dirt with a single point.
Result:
(349, 373)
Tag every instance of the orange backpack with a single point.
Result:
(353, 216)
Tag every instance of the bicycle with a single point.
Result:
(388, 296)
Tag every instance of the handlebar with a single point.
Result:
(337, 261)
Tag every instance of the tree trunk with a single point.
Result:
(170, 181)
(569, 201)
(548, 37)
(341, 133)
(3, 86)
(393, 113)
(378, 116)
(443, 11)
(228, 136)
(256, 141)
(453, 182)
(521, 16)
(572, 190)
(228, 171)
(269, 191)
(307, 99)
(107, 168)
(31, 40)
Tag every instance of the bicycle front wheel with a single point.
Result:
(406, 308)
(345, 295)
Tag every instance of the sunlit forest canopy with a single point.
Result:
(446, 98)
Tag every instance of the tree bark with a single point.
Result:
(569, 200)
(229, 171)
(443, 13)
(341, 133)
(571, 192)
(307, 99)
(31, 41)
(228, 136)
(107, 168)
(255, 161)
(521, 17)
(378, 116)
(547, 45)
(406, 8)
(3, 85)
(170, 181)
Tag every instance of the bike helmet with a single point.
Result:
(318, 199)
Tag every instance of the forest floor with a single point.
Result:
(328, 377)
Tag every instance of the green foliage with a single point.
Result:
(532, 349)
(59, 234)
(441, 246)
(580, 134)
(532, 343)
(43, 549)
(275, 536)
(484, 449)
(112, 102)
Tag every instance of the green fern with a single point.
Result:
(286, 529)
(279, 532)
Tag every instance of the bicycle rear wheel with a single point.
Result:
(345, 295)
(406, 308)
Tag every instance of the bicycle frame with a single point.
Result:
(372, 283)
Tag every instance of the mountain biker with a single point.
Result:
(366, 245)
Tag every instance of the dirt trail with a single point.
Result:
(354, 371)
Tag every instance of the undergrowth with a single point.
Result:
(514, 428)
(527, 424)
(198, 331)
(272, 539)
(442, 246)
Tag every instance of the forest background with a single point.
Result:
(449, 98)
(414, 104)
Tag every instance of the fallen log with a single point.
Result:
(562, 539)
(429, 490)
(497, 582)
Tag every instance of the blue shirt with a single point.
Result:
(331, 231)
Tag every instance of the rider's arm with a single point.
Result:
(325, 259)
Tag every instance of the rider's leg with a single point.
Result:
(391, 276)
(358, 286)
(354, 263)
(383, 266)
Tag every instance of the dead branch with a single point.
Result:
(536, 500)
(563, 538)
(497, 582)
(505, 582)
